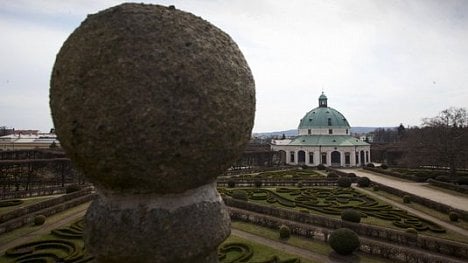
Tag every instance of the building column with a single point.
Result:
(342, 159)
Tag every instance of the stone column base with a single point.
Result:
(186, 227)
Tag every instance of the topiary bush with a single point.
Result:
(284, 232)
(344, 241)
(411, 231)
(462, 181)
(39, 220)
(375, 188)
(231, 183)
(72, 188)
(332, 175)
(443, 178)
(352, 175)
(363, 181)
(258, 183)
(384, 166)
(351, 215)
(321, 167)
(406, 199)
(344, 182)
(370, 165)
(453, 216)
(240, 195)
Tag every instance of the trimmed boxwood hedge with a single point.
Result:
(344, 241)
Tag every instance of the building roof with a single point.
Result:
(326, 140)
(323, 117)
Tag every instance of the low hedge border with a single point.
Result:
(396, 253)
(41, 205)
(449, 186)
(422, 201)
(432, 244)
(51, 210)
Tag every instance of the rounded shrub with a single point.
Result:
(411, 231)
(453, 216)
(39, 220)
(344, 182)
(406, 199)
(258, 183)
(352, 175)
(375, 188)
(363, 182)
(443, 178)
(321, 167)
(370, 165)
(284, 232)
(462, 181)
(72, 188)
(332, 175)
(231, 183)
(240, 195)
(344, 241)
(384, 166)
(351, 215)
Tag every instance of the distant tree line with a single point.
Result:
(441, 141)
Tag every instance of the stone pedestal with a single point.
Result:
(152, 104)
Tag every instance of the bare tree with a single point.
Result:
(444, 138)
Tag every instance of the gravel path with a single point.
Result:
(459, 202)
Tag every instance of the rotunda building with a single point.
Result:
(324, 137)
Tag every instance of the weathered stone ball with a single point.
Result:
(151, 99)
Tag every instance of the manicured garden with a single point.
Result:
(66, 244)
(294, 174)
(332, 201)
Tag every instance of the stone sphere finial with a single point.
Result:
(152, 104)
(151, 99)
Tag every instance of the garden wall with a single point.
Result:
(436, 245)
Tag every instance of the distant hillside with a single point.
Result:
(293, 132)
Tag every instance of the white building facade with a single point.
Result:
(324, 138)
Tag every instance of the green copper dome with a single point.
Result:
(323, 117)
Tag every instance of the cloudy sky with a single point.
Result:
(380, 62)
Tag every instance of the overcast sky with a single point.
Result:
(380, 63)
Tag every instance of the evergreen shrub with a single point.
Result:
(363, 182)
(352, 175)
(344, 182)
(384, 166)
(370, 165)
(284, 232)
(258, 183)
(39, 220)
(332, 175)
(321, 167)
(351, 215)
(375, 188)
(344, 241)
(231, 183)
(453, 216)
(411, 231)
(240, 195)
(462, 181)
(406, 199)
(72, 188)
